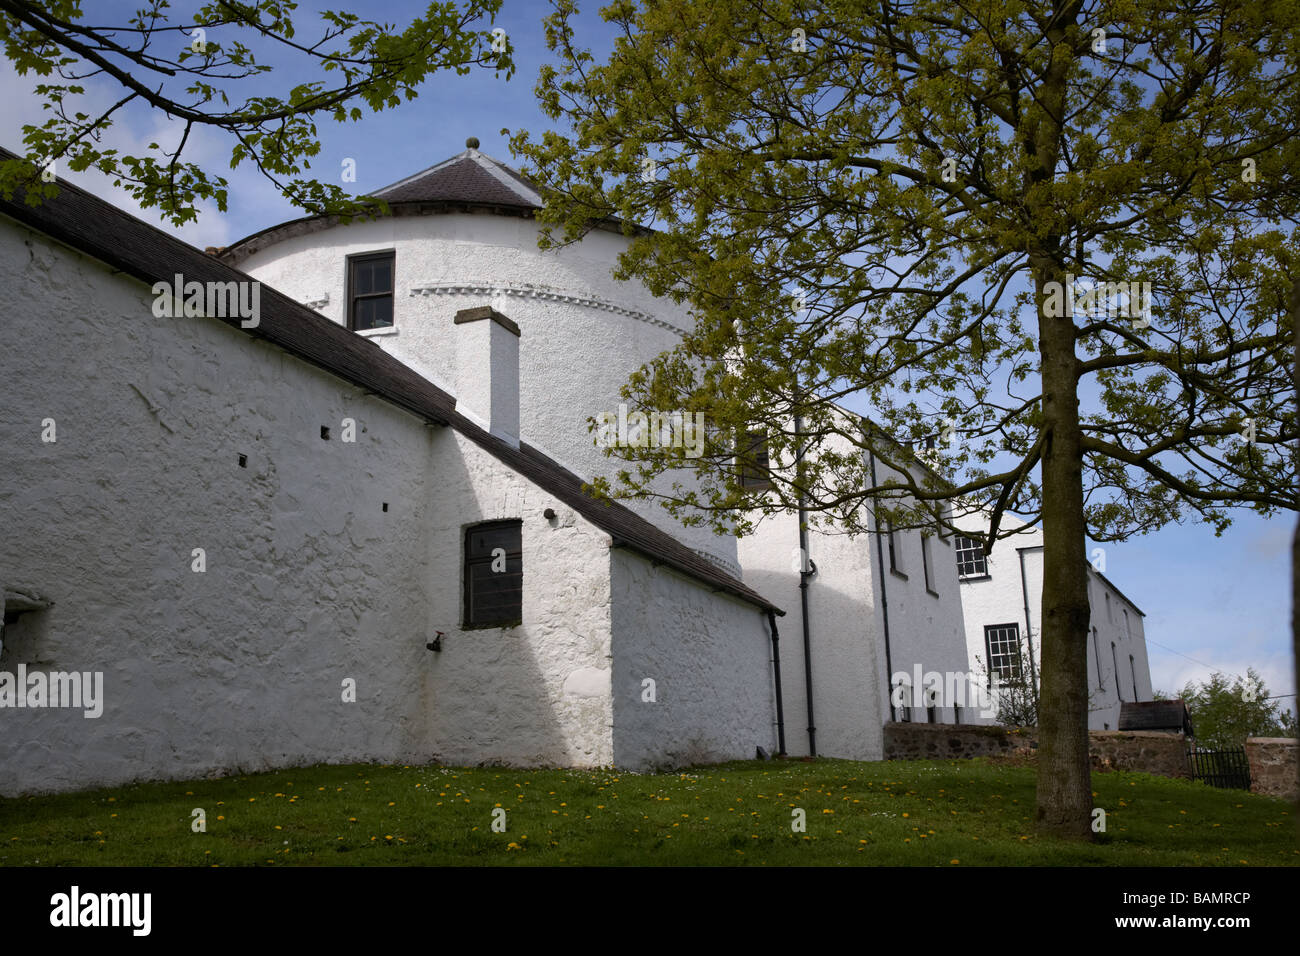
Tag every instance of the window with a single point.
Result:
(1132, 671)
(753, 461)
(1128, 633)
(925, 563)
(1002, 641)
(370, 291)
(895, 549)
(971, 560)
(1114, 659)
(1096, 660)
(1110, 616)
(494, 574)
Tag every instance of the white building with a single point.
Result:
(1002, 596)
(347, 522)
(258, 539)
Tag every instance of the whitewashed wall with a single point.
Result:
(708, 655)
(536, 694)
(582, 332)
(308, 580)
(844, 636)
(846, 604)
(926, 624)
(1000, 599)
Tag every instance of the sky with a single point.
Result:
(1211, 603)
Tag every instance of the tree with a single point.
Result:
(1055, 234)
(150, 59)
(1224, 713)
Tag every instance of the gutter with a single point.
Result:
(776, 670)
(806, 570)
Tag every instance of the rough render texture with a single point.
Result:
(709, 657)
(847, 628)
(308, 580)
(529, 695)
(574, 355)
(1273, 766)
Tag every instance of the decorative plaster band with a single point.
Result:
(317, 303)
(729, 567)
(527, 290)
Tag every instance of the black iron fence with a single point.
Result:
(1221, 768)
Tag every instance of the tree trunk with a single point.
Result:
(1064, 773)
(1294, 309)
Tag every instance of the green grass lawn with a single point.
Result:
(951, 813)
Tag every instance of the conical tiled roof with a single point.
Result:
(470, 181)
(469, 177)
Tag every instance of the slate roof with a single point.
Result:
(1155, 715)
(470, 181)
(118, 239)
(468, 177)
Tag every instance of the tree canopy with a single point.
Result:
(1054, 238)
(200, 72)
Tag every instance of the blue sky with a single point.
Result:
(1211, 602)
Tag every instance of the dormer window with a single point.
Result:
(370, 291)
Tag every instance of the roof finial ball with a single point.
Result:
(472, 142)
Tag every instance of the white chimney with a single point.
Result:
(487, 371)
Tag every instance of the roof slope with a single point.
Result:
(116, 238)
(469, 177)
(469, 182)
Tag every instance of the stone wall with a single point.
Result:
(1163, 754)
(953, 741)
(1273, 766)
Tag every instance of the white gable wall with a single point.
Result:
(1000, 598)
(582, 331)
(708, 655)
(308, 581)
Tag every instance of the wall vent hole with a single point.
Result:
(243, 461)
(325, 432)
(385, 505)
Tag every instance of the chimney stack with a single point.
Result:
(487, 371)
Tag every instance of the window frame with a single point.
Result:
(351, 298)
(974, 546)
(988, 650)
(747, 463)
(895, 548)
(468, 619)
(1114, 660)
(926, 562)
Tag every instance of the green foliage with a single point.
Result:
(196, 79)
(801, 204)
(1225, 712)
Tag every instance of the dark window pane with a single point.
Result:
(370, 291)
(373, 313)
(494, 579)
